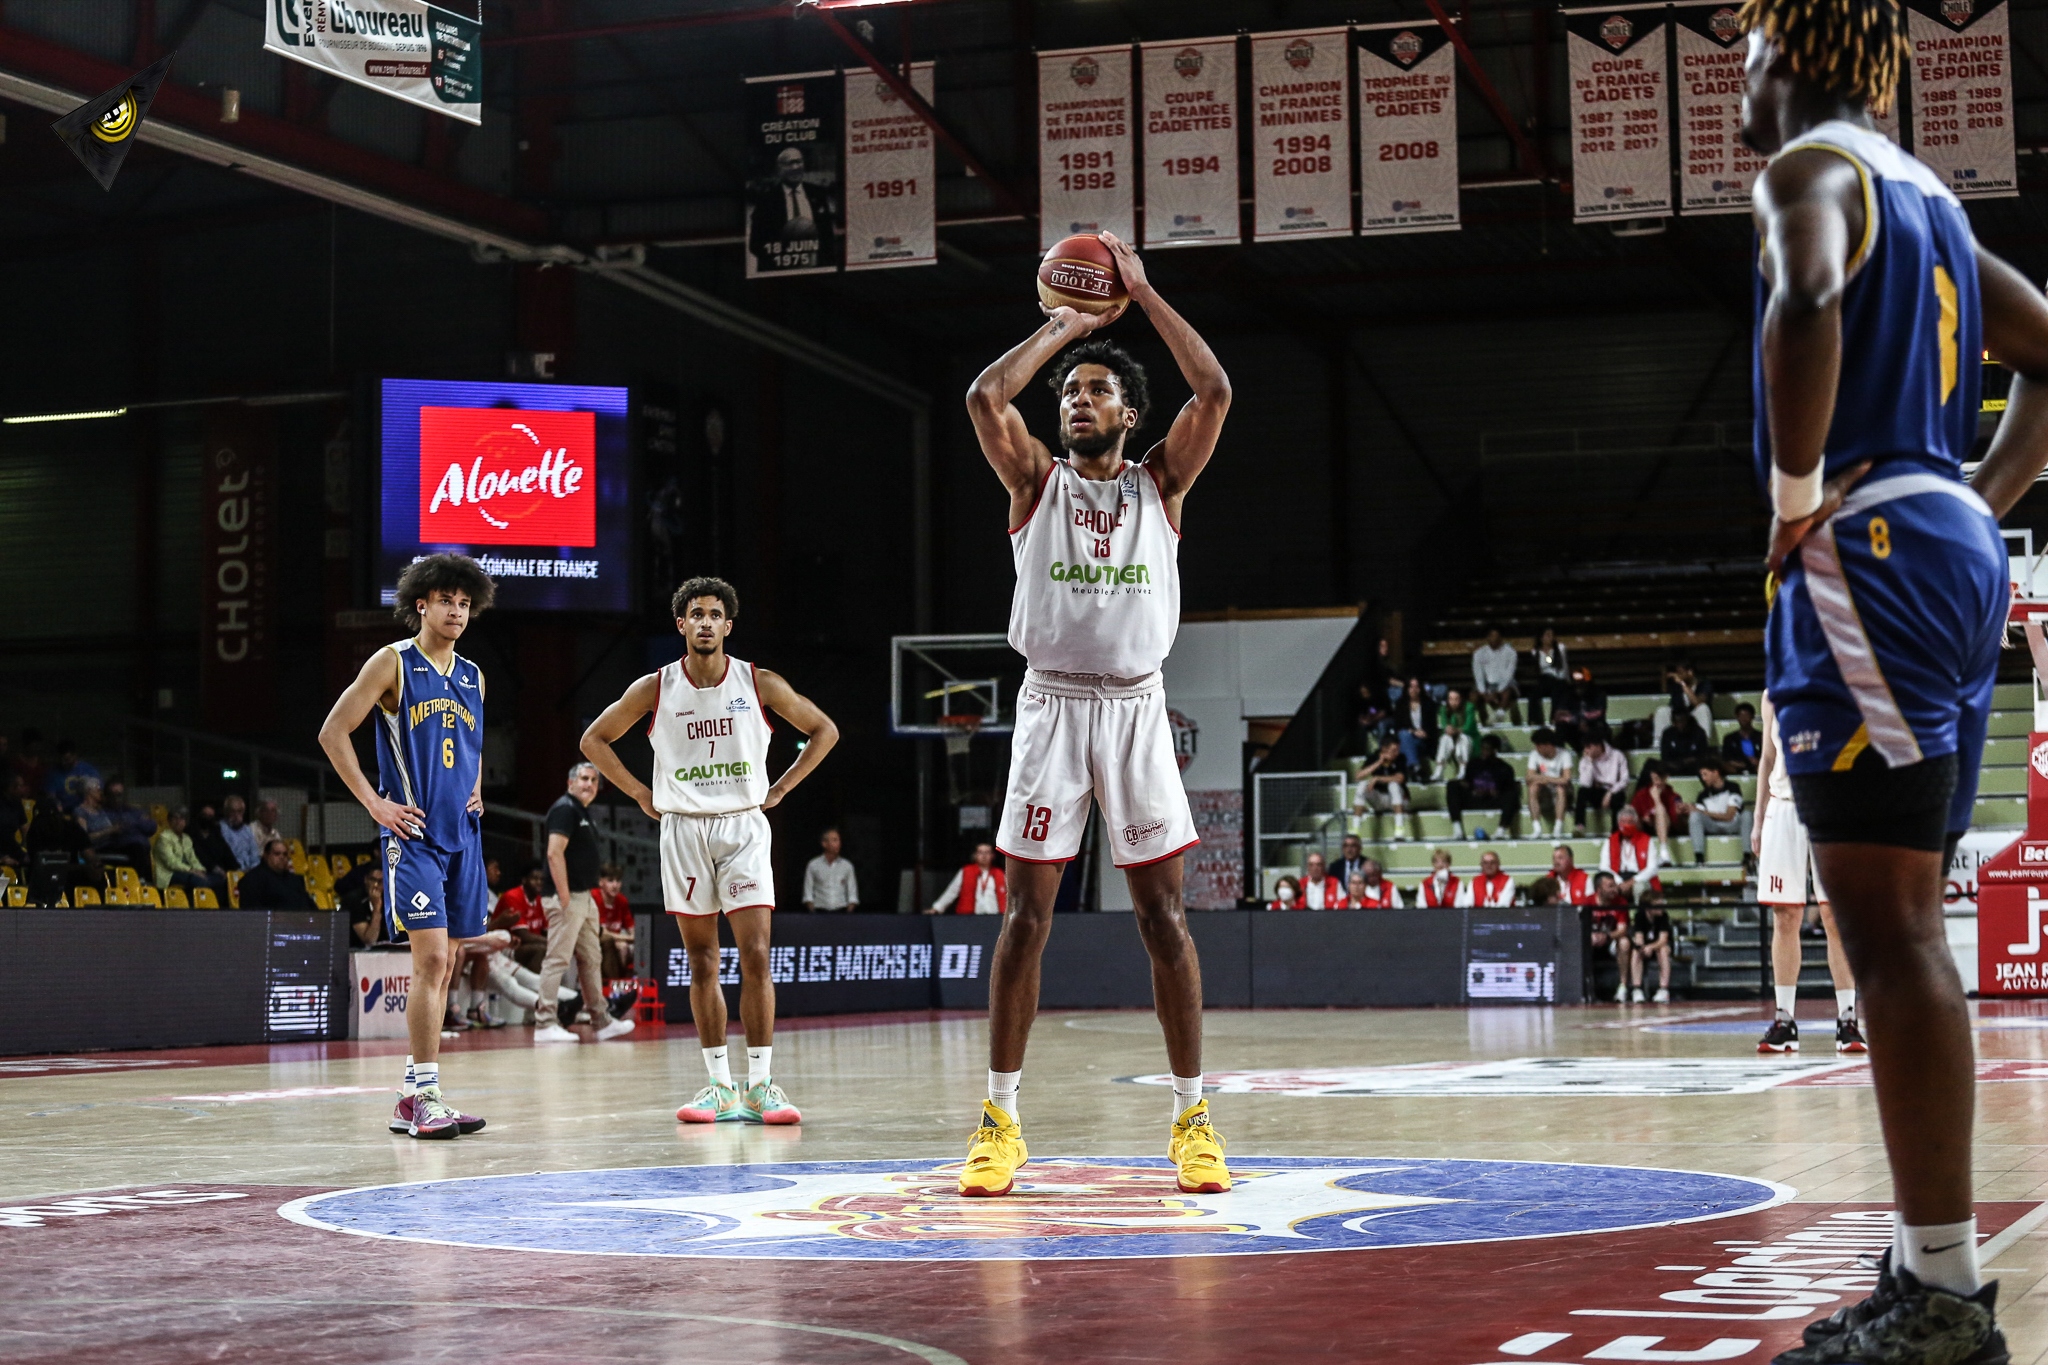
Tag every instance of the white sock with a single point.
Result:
(757, 1064)
(1187, 1092)
(1002, 1090)
(1845, 1004)
(715, 1062)
(1788, 996)
(407, 1086)
(1944, 1255)
(426, 1076)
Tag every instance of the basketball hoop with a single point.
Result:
(960, 732)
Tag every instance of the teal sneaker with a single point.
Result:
(765, 1103)
(715, 1103)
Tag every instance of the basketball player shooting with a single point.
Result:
(1883, 638)
(1096, 540)
(710, 731)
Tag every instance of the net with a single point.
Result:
(960, 732)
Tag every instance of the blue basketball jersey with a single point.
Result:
(430, 750)
(1912, 327)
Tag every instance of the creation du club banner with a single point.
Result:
(1621, 141)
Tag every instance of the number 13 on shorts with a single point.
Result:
(1037, 823)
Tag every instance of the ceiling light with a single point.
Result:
(64, 416)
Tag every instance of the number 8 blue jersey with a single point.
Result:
(1912, 327)
(430, 750)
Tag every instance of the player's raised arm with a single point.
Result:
(375, 684)
(1019, 458)
(803, 713)
(1191, 440)
(2016, 335)
(621, 716)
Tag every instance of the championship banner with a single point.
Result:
(1407, 129)
(1715, 169)
(891, 180)
(1301, 144)
(1084, 143)
(1962, 94)
(792, 173)
(423, 54)
(1190, 94)
(1621, 147)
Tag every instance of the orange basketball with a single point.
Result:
(1080, 273)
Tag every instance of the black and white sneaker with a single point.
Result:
(1782, 1036)
(1856, 1314)
(1921, 1326)
(1849, 1038)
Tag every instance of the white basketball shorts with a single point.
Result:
(716, 863)
(1784, 865)
(1108, 738)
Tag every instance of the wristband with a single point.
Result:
(1795, 497)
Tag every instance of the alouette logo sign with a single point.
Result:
(507, 476)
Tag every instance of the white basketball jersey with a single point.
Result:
(1781, 776)
(1098, 575)
(710, 743)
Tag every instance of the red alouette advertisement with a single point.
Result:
(1715, 169)
(1621, 145)
(494, 476)
(1962, 94)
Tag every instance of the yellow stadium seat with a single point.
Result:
(341, 865)
(204, 899)
(323, 899)
(114, 895)
(84, 895)
(126, 880)
(17, 895)
(298, 856)
(62, 904)
(317, 875)
(160, 813)
(362, 858)
(176, 899)
(235, 889)
(152, 898)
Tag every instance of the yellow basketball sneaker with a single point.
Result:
(994, 1155)
(1196, 1149)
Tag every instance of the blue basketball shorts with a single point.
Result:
(1884, 634)
(431, 888)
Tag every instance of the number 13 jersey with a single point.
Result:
(1098, 575)
(710, 743)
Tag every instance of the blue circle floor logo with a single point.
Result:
(1065, 1208)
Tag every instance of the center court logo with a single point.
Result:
(1085, 1208)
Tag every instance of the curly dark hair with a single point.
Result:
(425, 577)
(1853, 49)
(1130, 375)
(706, 587)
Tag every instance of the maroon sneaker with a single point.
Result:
(401, 1119)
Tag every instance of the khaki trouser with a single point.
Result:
(572, 932)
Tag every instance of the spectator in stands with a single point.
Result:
(1549, 780)
(1718, 811)
(522, 912)
(1631, 856)
(1544, 891)
(1603, 780)
(361, 895)
(1493, 676)
(237, 835)
(58, 856)
(1573, 884)
(1610, 925)
(1355, 892)
(1587, 713)
(134, 827)
(1415, 725)
(1488, 784)
(1743, 747)
(829, 882)
(979, 888)
(1492, 888)
(272, 885)
(264, 826)
(1371, 720)
(1319, 890)
(1383, 786)
(67, 780)
(16, 810)
(1553, 676)
(1686, 691)
(1651, 938)
(1374, 891)
(1350, 862)
(1286, 894)
(1684, 745)
(1441, 888)
(213, 850)
(1657, 806)
(100, 830)
(1458, 727)
(614, 921)
(178, 864)
(494, 878)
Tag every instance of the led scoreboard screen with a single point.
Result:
(532, 480)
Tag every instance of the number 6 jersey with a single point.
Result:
(710, 743)
(430, 749)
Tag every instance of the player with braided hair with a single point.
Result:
(1874, 303)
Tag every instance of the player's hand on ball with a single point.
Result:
(1127, 263)
(407, 822)
(1786, 535)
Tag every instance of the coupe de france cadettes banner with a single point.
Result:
(1962, 94)
(423, 54)
(1715, 169)
(1621, 143)
(793, 184)
(1301, 135)
(891, 185)
(1085, 172)
(1407, 129)
(1190, 102)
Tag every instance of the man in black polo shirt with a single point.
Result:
(572, 915)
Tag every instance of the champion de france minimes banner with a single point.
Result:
(1085, 173)
(1407, 129)
(429, 55)
(1621, 143)
(1189, 91)
(1301, 135)
(792, 165)
(1715, 169)
(1962, 94)
(891, 180)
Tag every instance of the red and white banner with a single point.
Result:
(1301, 142)
(1407, 129)
(1621, 139)
(1085, 172)
(891, 181)
(1715, 169)
(507, 476)
(1190, 97)
(2012, 896)
(1962, 94)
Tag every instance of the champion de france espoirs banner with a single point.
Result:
(1407, 129)
(1191, 119)
(891, 185)
(1962, 94)
(1621, 145)
(1301, 138)
(1085, 174)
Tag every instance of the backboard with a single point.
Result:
(932, 676)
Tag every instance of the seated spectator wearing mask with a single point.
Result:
(1319, 890)
(1286, 894)
(177, 862)
(1442, 887)
(1488, 784)
(1718, 811)
(272, 885)
(1743, 747)
(212, 849)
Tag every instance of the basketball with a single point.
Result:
(1080, 273)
